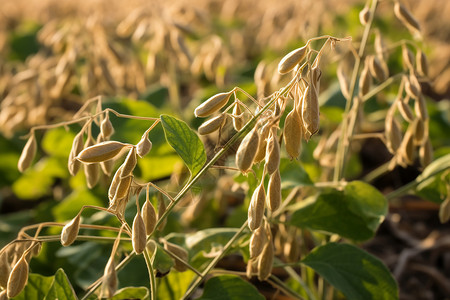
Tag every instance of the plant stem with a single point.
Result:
(151, 274)
(347, 129)
(213, 263)
(402, 190)
(283, 287)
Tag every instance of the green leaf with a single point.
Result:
(229, 287)
(36, 288)
(431, 188)
(204, 239)
(61, 288)
(174, 285)
(132, 293)
(157, 166)
(353, 271)
(354, 213)
(36, 182)
(185, 142)
(58, 142)
(48, 288)
(162, 261)
(292, 174)
(71, 205)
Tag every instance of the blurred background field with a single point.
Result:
(151, 57)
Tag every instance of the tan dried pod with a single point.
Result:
(377, 69)
(144, 146)
(238, 117)
(364, 80)
(149, 217)
(123, 187)
(393, 134)
(407, 147)
(411, 89)
(420, 107)
(260, 72)
(315, 75)
(138, 235)
(77, 146)
(110, 281)
(212, 124)
(265, 262)
(343, 82)
(421, 63)
(107, 166)
(272, 152)
(310, 110)
(129, 163)
(426, 153)
(274, 191)
(252, 267)
(69, 232)
(3, 295)
(180, 252)
(91, 170)
(379, 45)
(293, 58)
(161, 211)
(256, 207)
(5, 269)
(212, 105)
(101, 152)
(114, 183)
(407, 57)
(406, 17)
(418, 131)
(364, 15)
(17, 278)
(404, 109)
(247, 150)
(262, 146)
(293, 133)
(257, 242)
(106, 127)
(28, 153)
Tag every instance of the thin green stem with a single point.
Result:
(347, 129)
(404, 189)
(151, 274)
(283, 287)
(213, 263)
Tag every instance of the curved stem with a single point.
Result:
(151, 274)
(213, 263)
(347, 129)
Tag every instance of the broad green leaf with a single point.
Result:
(58, 142)
(72, 204)
(204, 239)
(162, 261)
(174, 285)
(185, 141)
(353, 271)
(292, 174)
(36, 182)
(354, 213)
(431, 186)
(48, 288)
(229, 287)
(130, 130)
(158, 166)
(132, 293)
(37, 287)
(61, 288)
